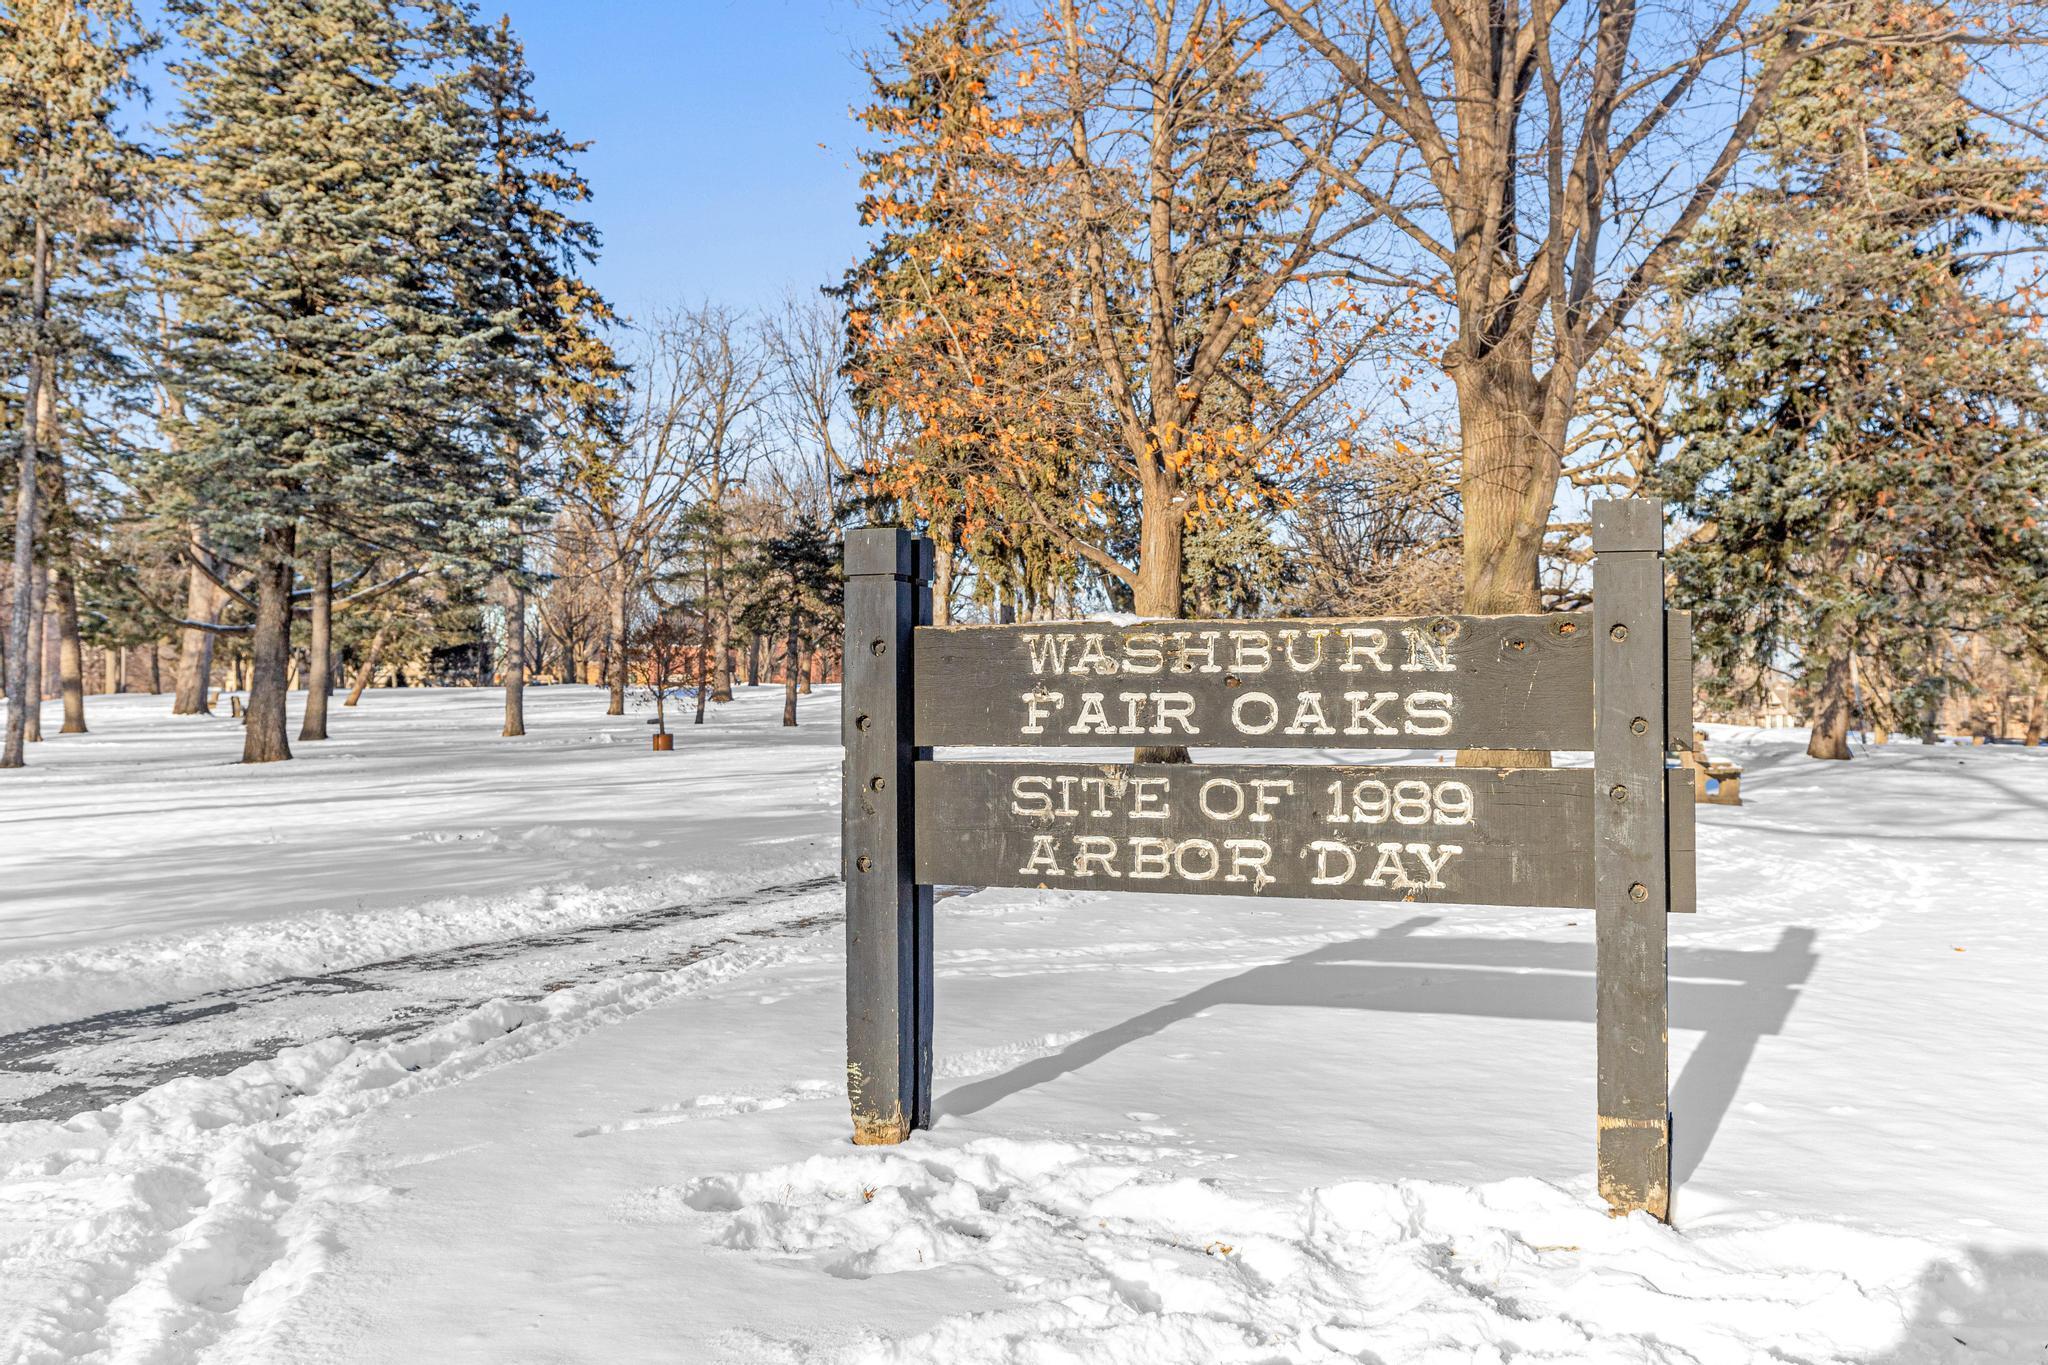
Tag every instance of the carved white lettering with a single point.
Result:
(1174, 707)
(1222, 784)
(1206, 871)
(1371, 802)
(1429, 713)
(1142, 654)
(1250, 700)
(1433, 866)
(1308, 716)
(1101, 787)
(1266, 794)
(1148, 797)
(1252, 651)
(1365, 719)
(1097, 850)
(1044, 859)
(1093, 719)
(1038, 706)
(1030, 795)
(1198, 644)
(1389, 865)
(1048, 652)
(1426, 655)
(1094, 658)
(1412, 803)
(1067, 781)
(1364, 643)
(1323, 849)
(1290, 638)
(1151, 859)
(1248, 861)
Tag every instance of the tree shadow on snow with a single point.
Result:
(1734, 998)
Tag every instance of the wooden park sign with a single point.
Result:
(1615, 838)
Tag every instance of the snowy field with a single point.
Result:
(531, 1051)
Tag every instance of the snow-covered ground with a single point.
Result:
(144, 863)
(1170, 1130)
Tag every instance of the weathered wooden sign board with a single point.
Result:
(1615, 838)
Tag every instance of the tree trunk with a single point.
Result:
(721, 689)
(1510, 460)
(1157, 593)
(942, 575)
(809, 659)
(70, 655)
(1510, 470)
(38, 644)
(515, 664)
(320, 652)
(195, 646)
(369, 669)
(21, 622)
(618, 651)
(58, 586)
(1830, 737)
(156, 668)
(2034, 710)
(270, 651)
(754, 659)
(792, 660)
(1930, 711)
(703, 665)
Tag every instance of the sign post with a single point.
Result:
(888, 914)
(1615, 838)
(1631, 859)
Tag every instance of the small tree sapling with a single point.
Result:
(665, 644)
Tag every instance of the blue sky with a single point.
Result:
(708, 117)
(723, 143)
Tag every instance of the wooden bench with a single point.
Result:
(1714, 784)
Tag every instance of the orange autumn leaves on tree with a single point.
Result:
(1095, 330)
(950, 323)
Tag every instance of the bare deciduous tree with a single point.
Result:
(1539, 168)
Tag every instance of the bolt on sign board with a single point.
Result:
(1615, 838)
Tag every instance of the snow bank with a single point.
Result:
(1116, 1261)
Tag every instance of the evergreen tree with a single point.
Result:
(555, 373)
(1861, 425)
(328, 349)
(70, 181)
(796, 590)
(951, 315)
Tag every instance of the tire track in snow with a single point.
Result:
(178, 1224)
(58, 1070)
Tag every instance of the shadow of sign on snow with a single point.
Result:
(1985, 1304)
(1732, 997)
